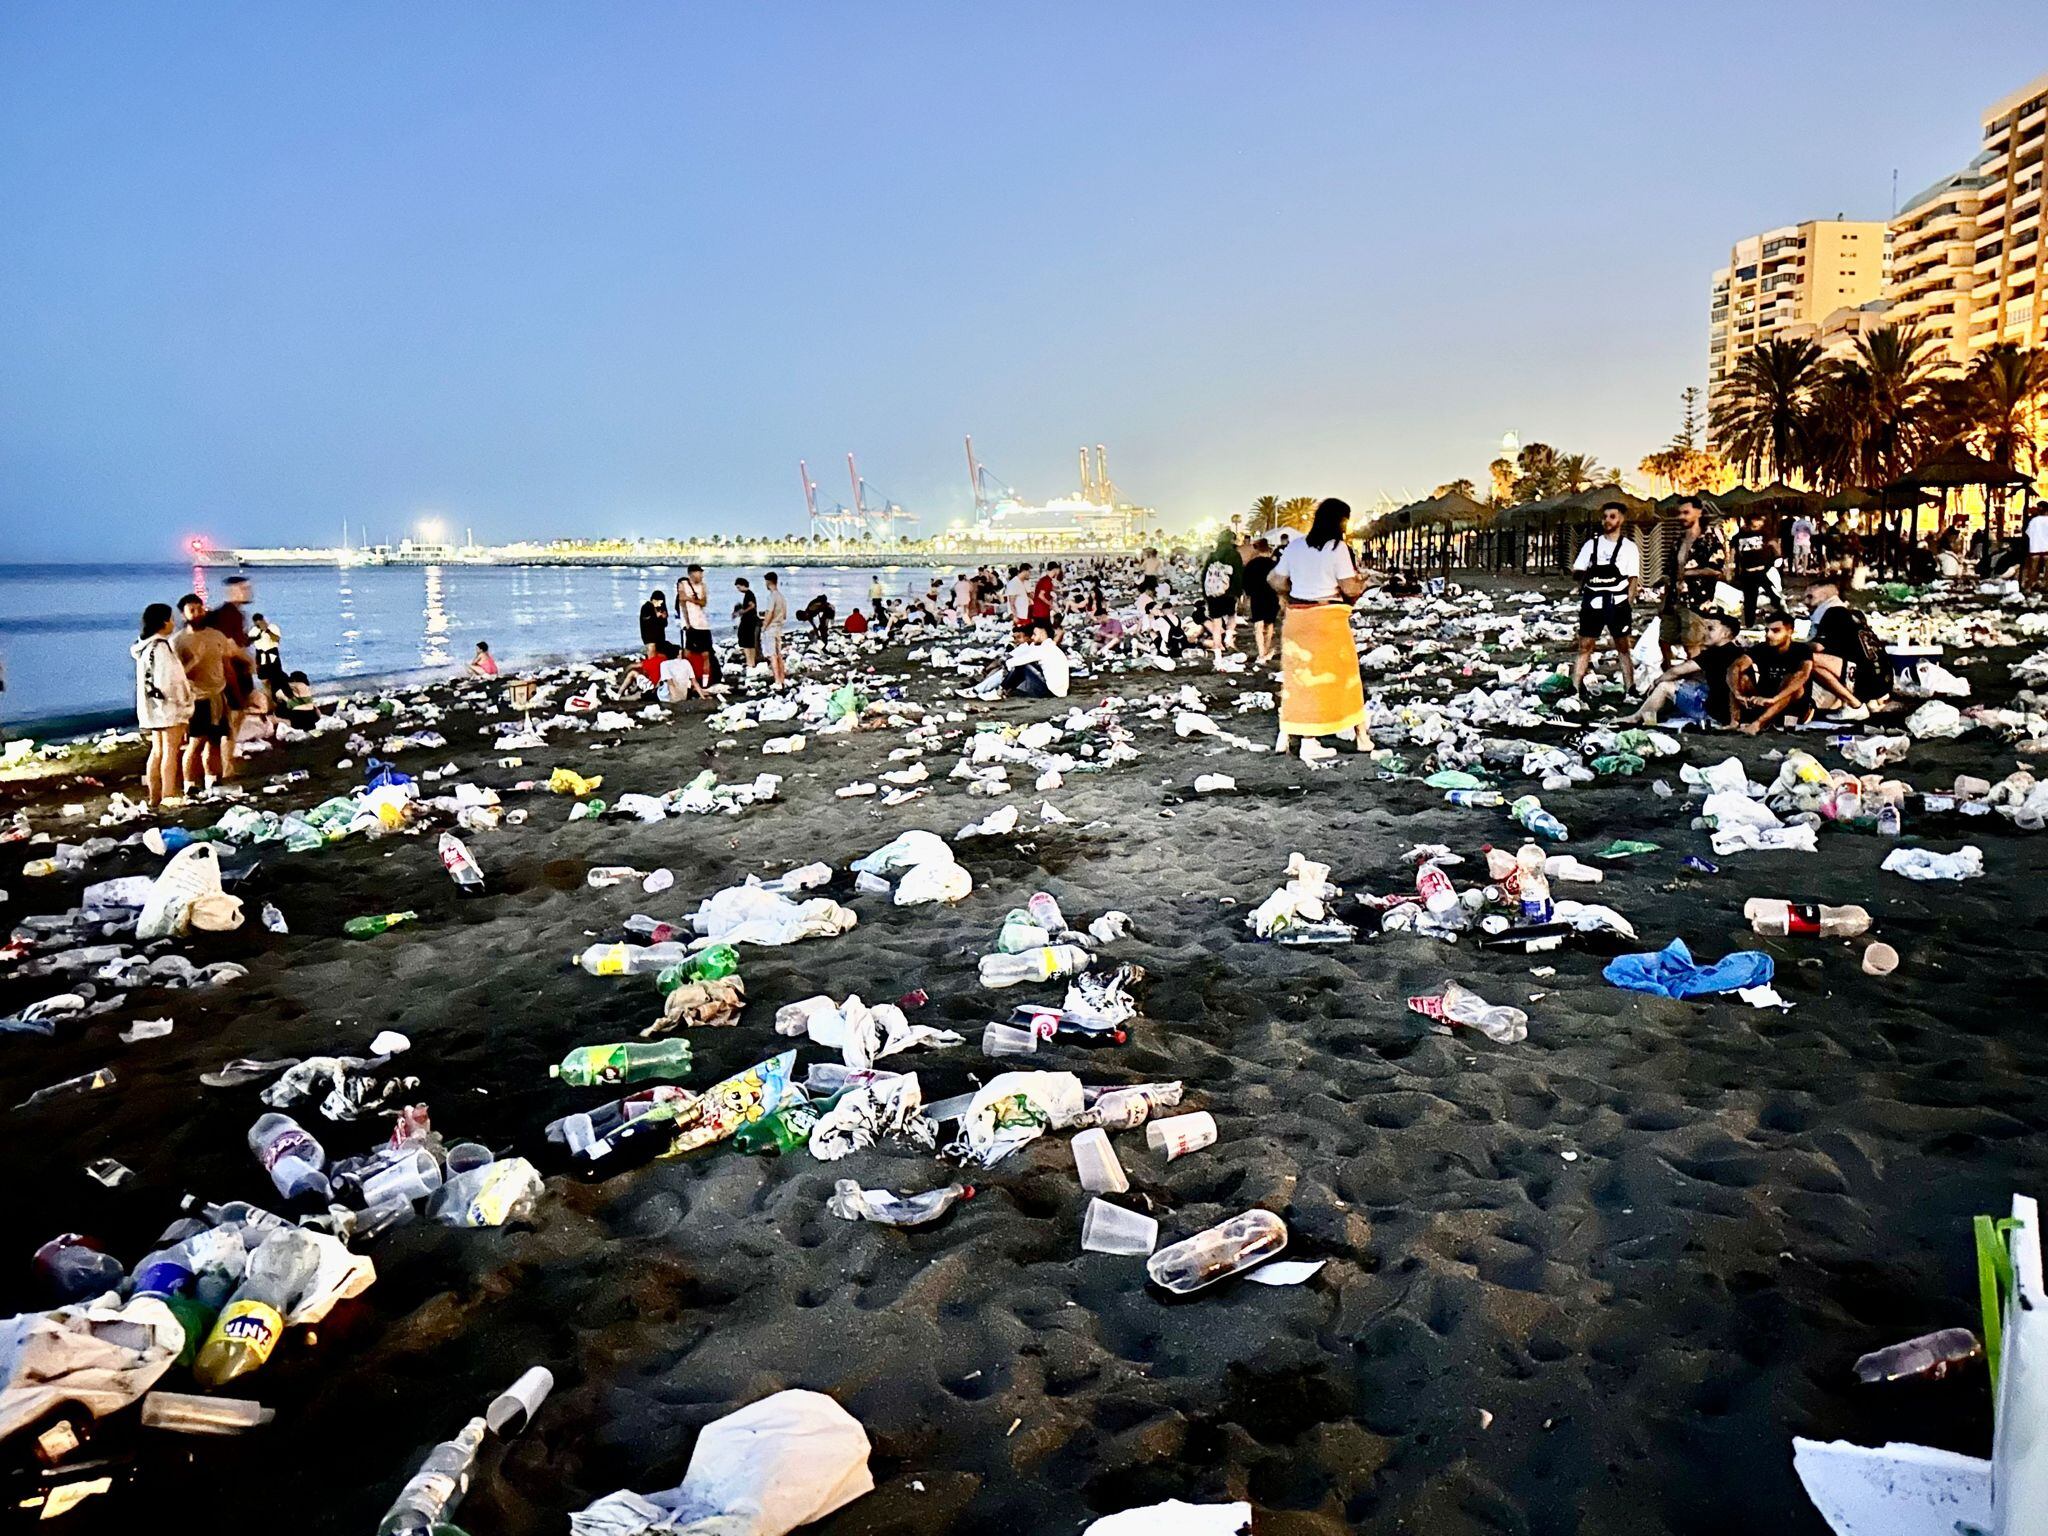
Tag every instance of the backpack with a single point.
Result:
(1873, 661)
(1216, 580)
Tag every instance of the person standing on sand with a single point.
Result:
(654, 623)
(693, 606)
(1697, 564)
(163, 706)
(1222, 585)
(204, 652)
(1610, 569)
(1017, 599)
(746, 617)
(1262, 599)
(877, 596)
(772, 624)
(239, 669)
(1321, 693)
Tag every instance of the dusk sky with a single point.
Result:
(612, 269)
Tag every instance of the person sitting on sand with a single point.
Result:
(1849, 661)
(483, 663)
(1697, 685)
(295, 703)
(1773, 681)
(1037, 669)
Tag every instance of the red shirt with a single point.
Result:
(1041, 598)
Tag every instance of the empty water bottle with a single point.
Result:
(1779, 919)
(631, 959)
(1530, 813)
(1434, 887)
(1930, 1356)
(1222, 1251)
(630, 1062)
(438, 1486)
(295, 1161)
(1045, 964)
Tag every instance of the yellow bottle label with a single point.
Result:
(613, 961)
(255, 1325)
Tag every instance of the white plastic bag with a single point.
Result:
(906, 850)
(934, 882)
(1014, 1108)
(194, 871)
(779, 1463)
(1174, 1518)
(1965, 863)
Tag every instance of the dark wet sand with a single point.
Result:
(1757, 1197)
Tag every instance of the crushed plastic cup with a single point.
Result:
(1107, 1228)
(1181, 1134)
(411, 1177)
(1095, 1162)
(1008, 1040)
(1880, 959)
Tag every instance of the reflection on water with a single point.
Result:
(350, 659)
(434, 642)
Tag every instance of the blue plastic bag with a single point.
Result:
(377, 773)
(1672, 971)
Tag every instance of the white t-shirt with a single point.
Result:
(1050, 660)
(1019, 596)
(2037, 534)
(1312, 574)
(1621, 552)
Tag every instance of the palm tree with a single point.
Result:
(1460, 487)
(1893, 378)
(1761, 421)
(1266, 512)
(1999, 404)
(1577, 472)
(1297, 512)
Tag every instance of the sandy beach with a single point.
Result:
(1593, 1281)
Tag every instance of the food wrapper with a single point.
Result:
(567, 781)
(740, 1100)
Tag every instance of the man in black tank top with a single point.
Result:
(1756, 554)
(1609, 568)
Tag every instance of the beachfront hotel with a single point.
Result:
(1789, 281)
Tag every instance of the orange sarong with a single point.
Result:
(1320, 691)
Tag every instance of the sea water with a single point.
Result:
(65, 630)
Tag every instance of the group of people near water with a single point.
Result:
(690, 668)
(206, 680)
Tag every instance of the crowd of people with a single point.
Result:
(207, 680)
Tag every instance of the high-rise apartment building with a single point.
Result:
(1789, 279)
(1934, 252)
(2005, 299)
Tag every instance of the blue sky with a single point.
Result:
(614, 268)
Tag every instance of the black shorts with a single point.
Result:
(209, 719)
(1221, 607)
(1612, 618)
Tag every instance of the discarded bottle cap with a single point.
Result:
(1880, 960)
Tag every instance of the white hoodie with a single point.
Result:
(163, 694)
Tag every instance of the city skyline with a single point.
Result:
(268, 272)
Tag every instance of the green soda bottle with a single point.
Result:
(713, 964)
(370, 927)
(787, 1129)
(589, 1065)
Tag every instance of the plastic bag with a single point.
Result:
(1925, 864)
(194, 872)
(924, 883)
(1015, 1108)
(1672, 971)
(779, 1463)
(906, 850)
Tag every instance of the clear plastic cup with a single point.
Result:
(1095, 1161)
(1008, 1040)
(412, 1177)
(465, 1155)
(1110, 1228)
(1181, 1134)
(1880, 959)
(513, 1409)
(194, 1415)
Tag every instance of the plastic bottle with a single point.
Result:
(461, 865)
(438, 1486)
(1530, 813)
(1068, 1028)
(653, 929)
(1461, 1005)
(1045, 964)
(187, 1414)
(1930, 1356)
(1535, 885)
(1562, 866)
(1778, 919)
(1434, 887)
(631, 959)
(1021, 933)
(288, 1152)
(1223, 1250)
(1046, 912)
(713, 964)
(489, 1196)
(1475, 797)
(589, 1065)
(252, 1322)
(370, 927)
(1847, 804)
(785, 1130)
(72, 1268)
(1889, 820)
